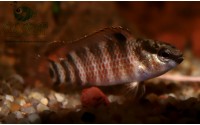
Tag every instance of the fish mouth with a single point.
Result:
(179, 59)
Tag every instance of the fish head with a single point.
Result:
(157, 58)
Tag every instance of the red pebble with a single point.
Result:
(93, 97)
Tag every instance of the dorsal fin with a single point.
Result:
(107, 34)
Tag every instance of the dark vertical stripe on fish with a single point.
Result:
(122, 44)
(95, 50)
(82, 55)
(57, 81)
(112, 50)
(72, 61)
(67, 72)
(98, 55)
(141, 54)
(105, 63)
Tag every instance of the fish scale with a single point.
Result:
(113, 56)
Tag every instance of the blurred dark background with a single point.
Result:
(27, 26)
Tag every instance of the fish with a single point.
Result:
(112, 56)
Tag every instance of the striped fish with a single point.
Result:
(112, 56)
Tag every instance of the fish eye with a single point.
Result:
(164, 54)
(18, 10)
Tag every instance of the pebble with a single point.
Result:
(51, 96)
(40, 107)
(52, 103)
(172, 100)
(34, 118)
(20, 101)
(4, 110)
(10, 119)
(190, 102)
(59, 97)
(28, 110)
(7, 103)
(73, 103)
(23, 121)
(34, 102)
(36, 95)
(167, 98)
(113, 98)
(44, 101)
(65, 103)
(9, 97)
(152, 97)
(14, 107)
(18, 114)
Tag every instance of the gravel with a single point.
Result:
(55, 107)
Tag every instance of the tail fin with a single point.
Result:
(39, 67)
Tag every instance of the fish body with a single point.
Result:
(112, 56)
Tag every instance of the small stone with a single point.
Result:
(7, 103)
(34, 118)
(65, 103)
(27, 104)
(10, 119)
(41, 107)
(44, 101)
(4, 110)
(59, 97)
(52, 103)
(73, 104)
(9, 97)
(78, 110)
(112, 98)
(152, 97)
(34, 102)
(23, 121)
(14, 107)
(190, 102)
(36, 95)
(28, 110)
(20, 101)
(167, 98)
(51, 96)
(18, 114)
(172, 100)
